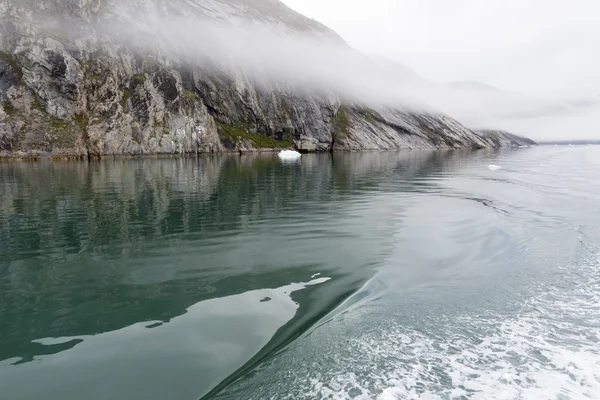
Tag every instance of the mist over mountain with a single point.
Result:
(107, 77)
(541, 119)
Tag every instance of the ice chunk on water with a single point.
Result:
(289, 155)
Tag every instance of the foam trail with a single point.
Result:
(550, 349)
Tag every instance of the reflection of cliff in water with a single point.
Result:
(89, 248)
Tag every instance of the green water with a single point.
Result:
(138, 278)
(224, 276)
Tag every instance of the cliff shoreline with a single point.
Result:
(44, 157)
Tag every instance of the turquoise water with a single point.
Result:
(394, 275)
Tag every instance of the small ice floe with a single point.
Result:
(493, 167)
(289, 155)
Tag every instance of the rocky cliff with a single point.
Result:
(70, 88)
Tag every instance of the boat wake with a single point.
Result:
(550, 348)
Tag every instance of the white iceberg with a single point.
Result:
(289, 155)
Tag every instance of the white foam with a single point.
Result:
(493, 167)
(551, 349)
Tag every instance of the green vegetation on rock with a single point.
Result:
(62, 133)
(188, 94)
(138, 78)
(371, 116)
(341, 124)
(126, 94)
(36, 102)
(9, 108)
(82, 121)
(259, 141)
(59, 124)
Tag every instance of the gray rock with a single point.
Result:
(503, 139)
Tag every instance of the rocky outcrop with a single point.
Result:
(87, 94)
(504, 139)
(357, 128)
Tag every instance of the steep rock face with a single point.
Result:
(503, 138)
(87, 94)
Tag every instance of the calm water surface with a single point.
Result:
(399, 275)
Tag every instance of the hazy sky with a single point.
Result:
(546, 48)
